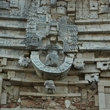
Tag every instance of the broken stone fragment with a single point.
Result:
(19, 100)
(67, 103)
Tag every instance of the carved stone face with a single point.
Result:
(49, 86)
(52, 58)
(78, 64)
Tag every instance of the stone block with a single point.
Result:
(11, 74)
(16, 81)
(101, 89)
(1, 80)
(102, 104)
(62, 3)
(16, 92)
(53, 10)
(4, 62)
(26, 82)
(4, 4)
(61, 10)
(84, 93)
(45, 2)
(53, 3)
(105, 74)
(96, 100)
(53, 39)
(93, 14)
(14, 3)
(71, 6)
(49, 95)
(61, 89)
(4, 98)
(103, 65)
(93, 5)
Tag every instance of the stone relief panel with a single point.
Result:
(45, 35)
(51, 37)
(92, 9)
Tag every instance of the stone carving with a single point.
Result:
(70, 42)
(53, 3)
(47, 29)
(64, 64)
(52, 58)
(45, 2)
(49, 86)
(62, 3)
(92, 77)
(24, 61)
(106, 9)
(71, 6)
(50, 36)
(78, 64)
(14, 3)
(53, 25)
(4, 5)
(31, 42)
(103, 65)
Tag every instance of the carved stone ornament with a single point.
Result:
(106, 9)
(53, 3)
(78, 64)
(103, 65)
(50, 39)
(92, 77)
(49, 86)
(24, 61)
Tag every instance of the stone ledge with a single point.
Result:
(18, 69)
(89, 31)
(49, 95)
(23, 109)
(13, 17)
(25, 82)
(12, 37)
(17, 46)
(92, 21)
(13, 27)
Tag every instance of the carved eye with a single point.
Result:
(93, 6)
(105, 64)
(92, 76)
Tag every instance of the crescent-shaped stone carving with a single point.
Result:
(42, 68)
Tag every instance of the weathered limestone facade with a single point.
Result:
(55, 54)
